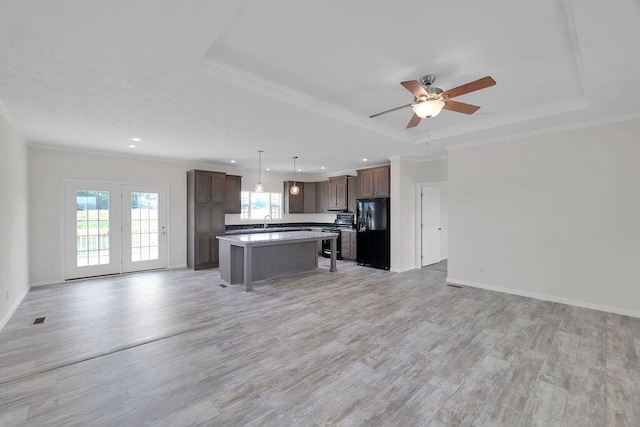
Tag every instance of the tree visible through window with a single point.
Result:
(258, 205)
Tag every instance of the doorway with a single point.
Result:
(113, 228)
(431, 224)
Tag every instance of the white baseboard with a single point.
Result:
(6, 318)
(544, 297)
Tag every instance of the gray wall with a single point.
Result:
(14, 269)
(552, 216)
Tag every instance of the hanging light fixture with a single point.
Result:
(259, 188)
(295, 190)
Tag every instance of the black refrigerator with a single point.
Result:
(372, 226)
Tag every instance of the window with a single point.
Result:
(258, 205)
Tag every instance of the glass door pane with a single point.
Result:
(92, 227)
(144, 234)
(92, 213)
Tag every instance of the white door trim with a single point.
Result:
(418, 218)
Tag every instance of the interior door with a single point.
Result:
(430, 225)
(91, 229)
(144, 228)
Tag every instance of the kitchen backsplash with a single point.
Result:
(234, 219)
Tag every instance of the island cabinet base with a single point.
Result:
(266, 261)
(248, 257)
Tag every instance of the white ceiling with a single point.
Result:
(214, 81)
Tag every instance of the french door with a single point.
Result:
(113, 228)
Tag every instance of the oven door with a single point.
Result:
(326, 245)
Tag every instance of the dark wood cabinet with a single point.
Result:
(322, 196)
(338, 192)
(309, 200)
(205, 217)
(353, 191)
(232, 196)
(293, 204)
(374, 182)
(348, 244)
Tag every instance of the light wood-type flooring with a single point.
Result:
(357, 347)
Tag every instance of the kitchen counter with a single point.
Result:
(245, 258)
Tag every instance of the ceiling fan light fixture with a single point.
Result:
(427, 109)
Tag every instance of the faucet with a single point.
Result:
(265, 220)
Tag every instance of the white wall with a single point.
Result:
(405, 176)
(14, 268)
(49, 167)
(553, 216)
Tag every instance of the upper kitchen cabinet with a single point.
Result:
(353, 192)
(293, 204)
(209, 186)
(232, 190)
(374, 182)
(309, 200)
(338, 193)
(322, 196)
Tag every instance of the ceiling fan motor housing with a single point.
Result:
(428, 79)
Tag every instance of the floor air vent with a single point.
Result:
(39, 320)
(454, 286)
(223, 286)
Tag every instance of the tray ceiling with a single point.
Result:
(215, 81)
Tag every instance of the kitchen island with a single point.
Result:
(245, 258)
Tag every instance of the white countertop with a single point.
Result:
(280, 236)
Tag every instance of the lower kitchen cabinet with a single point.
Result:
(348, 244)
(206, 252)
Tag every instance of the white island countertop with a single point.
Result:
(279, 236)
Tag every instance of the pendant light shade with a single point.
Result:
(295, 190)
(259, 188)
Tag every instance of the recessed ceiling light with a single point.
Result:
(232, 161)
(132, 146)
(299, 170)
(268, 169)
(365, 160)
(322, 167)
(136, 139)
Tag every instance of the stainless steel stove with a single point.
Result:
(342, 222)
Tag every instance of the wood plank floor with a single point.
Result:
(356, 347)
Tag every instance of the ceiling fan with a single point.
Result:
(430, 100)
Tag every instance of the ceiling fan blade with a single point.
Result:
(469, 87)
(415, 88)
(389, 111)
(460, 107)
(415, 121)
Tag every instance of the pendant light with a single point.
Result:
(259, 188)
(295, 190)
